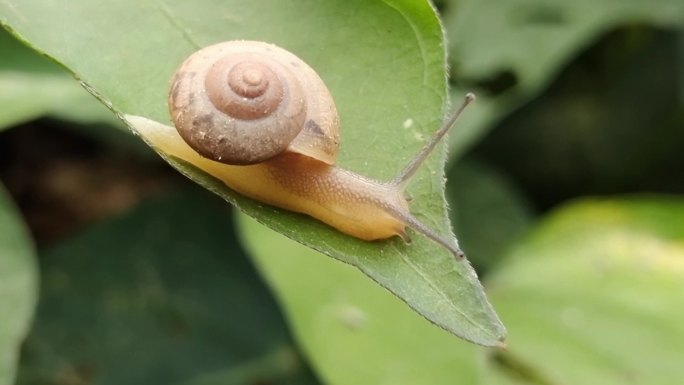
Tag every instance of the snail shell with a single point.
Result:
(244, 102)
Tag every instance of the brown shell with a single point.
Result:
(243, 102)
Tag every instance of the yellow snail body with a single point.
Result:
(262, 121)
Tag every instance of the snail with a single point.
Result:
(271, 124)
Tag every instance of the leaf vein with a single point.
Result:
(166, 11)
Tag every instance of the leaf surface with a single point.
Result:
(595, 294)
(384, 63)
(18, 286)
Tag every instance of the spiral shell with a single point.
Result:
(243, 102)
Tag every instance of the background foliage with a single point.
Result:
(564, 184)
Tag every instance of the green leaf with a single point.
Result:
(384, 69)
(18, 287)
(524, 44)
(163, 295)
(596, 294)
(355, 332)
(33, 87)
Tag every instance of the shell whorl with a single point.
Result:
(243, 102)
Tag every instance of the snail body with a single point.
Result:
(338, 197)
(262, 121)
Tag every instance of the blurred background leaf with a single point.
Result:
(594, 295)
(18, 286)
(163, 295)
(488, 212)
(509, 51)
(612, 123)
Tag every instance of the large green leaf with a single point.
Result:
(163, 295)
(595, 295)
(384, 63)
(18, 287)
